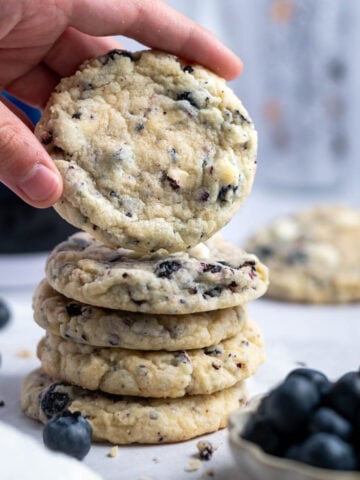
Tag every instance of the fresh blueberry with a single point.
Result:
(292, 453)
(318, 378)
(4, 313)
(344, 397)
(260, 431)
(327, 420)
(290, 404)
(69, 433)
(325, 450)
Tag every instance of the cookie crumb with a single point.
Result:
(193, 465)
(156, 460)
(208, 473)
(24, 353)
(206, 450)
(2, 403)
(113, 451)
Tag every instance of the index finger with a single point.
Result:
(156, 25)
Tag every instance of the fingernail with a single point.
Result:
(40, 183)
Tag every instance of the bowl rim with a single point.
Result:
(236, 423)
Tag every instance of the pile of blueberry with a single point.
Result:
(311, 420)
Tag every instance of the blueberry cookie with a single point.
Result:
(154, 153)
(210, 276)
(154, 374)
(101, 327)
(313, 256)
(125, 420)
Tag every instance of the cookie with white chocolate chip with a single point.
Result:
(126, 420)
(101, 327)
(313, 256)
(211, 276)
(155, 374)
(154, 153)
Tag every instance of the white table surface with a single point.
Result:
(323, 337)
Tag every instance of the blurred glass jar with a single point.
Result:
(25, 229)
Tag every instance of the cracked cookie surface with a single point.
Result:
(154, 153)
(210, 276)
(155, 374)
(125, 420)
(313, 256)
(101, 327)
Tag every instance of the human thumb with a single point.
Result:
(25, 167)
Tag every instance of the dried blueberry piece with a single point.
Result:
(112, 54)
(180, 357)
(173, 183)
(73, 309)
(214, 292)
(188, 69)
(225, 263)
(47, 138)
(53, 402)
(327, 451)
(69, 433)
(76, 115)
(139, 127)
(173, 154)
(208, 267)
(224, 194)
(204, 197)
(240, 118)
(166, 268)
(114, 339)
(5, 313)
(213, 351)
(189, 97)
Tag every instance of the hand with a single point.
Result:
(44, 40)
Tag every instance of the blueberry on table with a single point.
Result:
(260, 431)
(69, 433)
(325, 450)
(289, 405)
(4, 313)
(327, 420)
(318, 378)
(344, 397)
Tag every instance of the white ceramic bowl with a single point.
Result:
(255, 464)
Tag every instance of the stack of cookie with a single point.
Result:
(151, 343)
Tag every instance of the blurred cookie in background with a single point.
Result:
(313, 255)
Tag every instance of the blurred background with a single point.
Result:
(300, 86)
